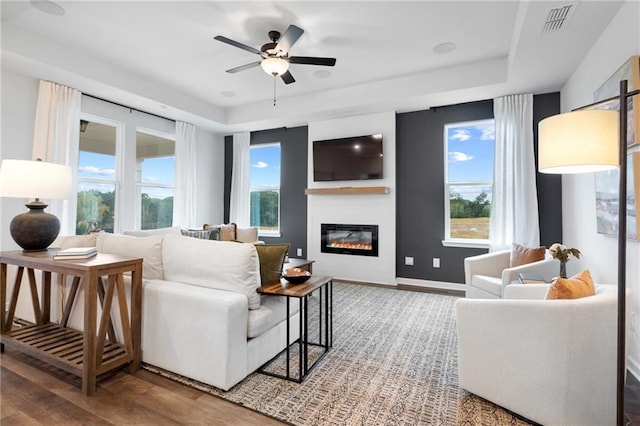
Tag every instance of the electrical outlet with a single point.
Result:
(299, 252)
(408, 261)
(436, 262)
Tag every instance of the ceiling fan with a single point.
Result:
(275, 55)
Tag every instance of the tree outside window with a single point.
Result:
(264, 185)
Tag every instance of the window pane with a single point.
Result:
(470, 151)
(156, 163)
(96, 207)
(156, 207)
(469, 211)
(265, 187)
(96, 178)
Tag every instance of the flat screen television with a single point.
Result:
(352, 158)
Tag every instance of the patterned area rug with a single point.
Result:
(393, 362)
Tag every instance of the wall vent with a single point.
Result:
(558, 17)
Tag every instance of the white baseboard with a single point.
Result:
(441, 285)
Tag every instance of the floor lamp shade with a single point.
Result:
(579, 142)
(36, 229)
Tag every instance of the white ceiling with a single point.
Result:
(160, 56)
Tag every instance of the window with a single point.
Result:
(97, 179)
(469, 149)
(155, 170)
(264, 184)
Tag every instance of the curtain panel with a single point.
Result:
(185, 192)
(240, 191)
(55, 139)
(514, 206)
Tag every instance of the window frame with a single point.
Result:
(448, 241)
(264, 233)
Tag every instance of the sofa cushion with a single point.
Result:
(521, 255)
(150, 232)
(68, 241)
(273, 309)
(579, 285)
(214, 264)
(148, 248)
(271, 260)
(492, 285)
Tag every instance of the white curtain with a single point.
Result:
(239, 203)
(184, 197)
(56, 134)
(514, 207)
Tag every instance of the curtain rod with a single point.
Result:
(127, 107)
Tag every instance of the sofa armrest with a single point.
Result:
(195, 331)
(546, 268)
(489, 264)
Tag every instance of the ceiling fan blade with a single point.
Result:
(243, 67)
(287, 78)
(237, 44)
(289, 38)
(310, 60)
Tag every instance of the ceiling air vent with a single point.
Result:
(558, 17)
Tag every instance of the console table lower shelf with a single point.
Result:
(324, 287)
(85, 353)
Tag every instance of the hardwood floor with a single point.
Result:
(33, 393)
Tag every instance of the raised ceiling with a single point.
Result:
(161, 56)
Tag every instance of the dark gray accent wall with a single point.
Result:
(420, 189)
(293, 181)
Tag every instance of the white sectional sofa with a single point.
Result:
(202, 316)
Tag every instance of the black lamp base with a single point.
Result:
(34, 230)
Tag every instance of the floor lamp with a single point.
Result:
(591, 140)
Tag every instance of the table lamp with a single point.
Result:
(593, 140)
(36, 229)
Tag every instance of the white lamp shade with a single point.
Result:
(35, 179)
(274, 66)
(579, 142)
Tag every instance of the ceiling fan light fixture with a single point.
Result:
(274, 66)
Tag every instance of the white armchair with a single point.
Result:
(551, 361)
(488, 275)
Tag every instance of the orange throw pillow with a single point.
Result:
(579, 285)
(521, 255)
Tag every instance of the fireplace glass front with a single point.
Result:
(361, 240)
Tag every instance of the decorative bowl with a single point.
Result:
(296, 275)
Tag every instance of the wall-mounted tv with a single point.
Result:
(352, 158)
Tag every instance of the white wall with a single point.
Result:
(620, 41)
(355, 209)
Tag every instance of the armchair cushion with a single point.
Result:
(521, 255)
(579, 285)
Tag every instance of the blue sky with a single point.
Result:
(265, 167)
(470, 153)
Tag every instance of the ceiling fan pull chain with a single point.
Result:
(274, 90)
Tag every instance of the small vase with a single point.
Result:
(563, 269)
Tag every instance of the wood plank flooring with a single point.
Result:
(34, 393)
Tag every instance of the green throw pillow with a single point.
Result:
(271, 260)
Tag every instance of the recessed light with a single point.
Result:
(228, 94)
(48, 7)
(445, 47)
(322, 74)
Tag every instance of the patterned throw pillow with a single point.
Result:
(203, 234)
(271, 260)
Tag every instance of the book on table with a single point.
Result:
(75, 253)
(526, 278)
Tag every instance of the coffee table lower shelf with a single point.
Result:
(62, 347)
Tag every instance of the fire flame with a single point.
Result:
(356, 246)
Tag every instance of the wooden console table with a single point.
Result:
(83, 353)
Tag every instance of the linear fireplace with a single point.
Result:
(361, 240)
